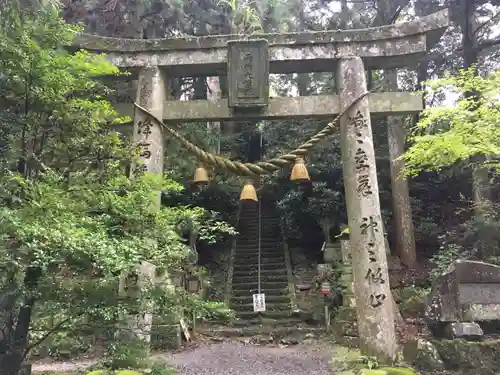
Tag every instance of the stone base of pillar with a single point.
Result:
(345, 327)
(166, 336)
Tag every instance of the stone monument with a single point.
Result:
(247, 62)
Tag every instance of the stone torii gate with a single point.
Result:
(248, 63)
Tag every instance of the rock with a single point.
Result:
(371, 372)
(25, 369)
(423, 355)
(398, 371)
(289, 341)
(467, 291)
(471, 357)
(466, 331)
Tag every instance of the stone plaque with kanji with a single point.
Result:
(248, 73)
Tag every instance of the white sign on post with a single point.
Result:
(259, 302)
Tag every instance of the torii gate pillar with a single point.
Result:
(370, 272)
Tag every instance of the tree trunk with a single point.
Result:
(480, 182)
(11, 360)
(214, 92)
(401, 208)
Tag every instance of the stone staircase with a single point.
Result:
(274, 279)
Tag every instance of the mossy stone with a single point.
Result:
(372, 372)
(398, 371)
(127, 372)
(423, 355)
(470, 355)
(412, 302)
(97, 372)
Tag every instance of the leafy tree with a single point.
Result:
(459, 133)
(71, 221)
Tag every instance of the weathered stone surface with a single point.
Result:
(433, 23)
(470, 357)
(151, 95)
(207, 55)
(464, 330)
(423, 355)
(468, 291)
(279, 108)
(248, 73)
(349, 300)
(375, 310)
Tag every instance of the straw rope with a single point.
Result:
(258, 168)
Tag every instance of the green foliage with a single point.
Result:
(458, 133)
(211, 310)
(442, 259)
(71, 220)
(126, 353)
(245, 17)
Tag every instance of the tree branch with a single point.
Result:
(47, 334)
(487, 44)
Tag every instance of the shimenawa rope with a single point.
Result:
(252, 169)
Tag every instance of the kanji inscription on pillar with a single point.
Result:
(370, 273)
(248, 73)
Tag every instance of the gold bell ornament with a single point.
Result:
(200, 176)
(248, 193)
(299, 171)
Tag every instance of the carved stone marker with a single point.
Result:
(149, 138)
(366, 238)
(248, 73)
(468, 291)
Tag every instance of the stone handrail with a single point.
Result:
(230, 267)
(288, 264)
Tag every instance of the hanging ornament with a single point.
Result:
(299, 171)
(200, 176)
(248, 193)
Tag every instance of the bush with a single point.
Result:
(128, 353)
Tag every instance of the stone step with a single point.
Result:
(263, 272)
(264, 285)
(266, 279)
(238, 307)
(276, 332)
(270, 322)
(239, 260)
(255, 245)
(264, 253)
(263, 266)
(247, 315)
(254, 253)
(271, 299)
(243, 292)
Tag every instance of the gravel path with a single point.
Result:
(232, 358)
(237, 359)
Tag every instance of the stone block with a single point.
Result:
(467, 291)
(248, 73)
(346, 328)
(470, 357)
(372, 372)
(398, 371)
(463, 330)
(346, 313)
(348, 341)
(423, 355)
